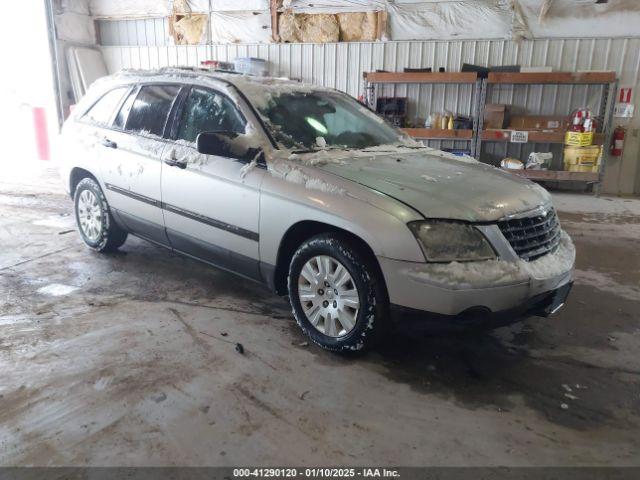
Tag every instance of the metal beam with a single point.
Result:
(55, 64)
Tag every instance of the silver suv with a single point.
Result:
(308, 191)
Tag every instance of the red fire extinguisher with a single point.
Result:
(617, 141)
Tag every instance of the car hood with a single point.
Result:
(439, 185)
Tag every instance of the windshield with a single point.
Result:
(319, 119)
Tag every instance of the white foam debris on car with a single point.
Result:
(250, 166)
(185, 151)
(469, 274)
(262, 90)
(553, 264)
(322, 158)
(497, 272)
(451, 156)
(296, 175)
(342, 155)
(318, 184)
(500, 210)
(399, 147)
(428, 178)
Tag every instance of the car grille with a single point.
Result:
(532, 237)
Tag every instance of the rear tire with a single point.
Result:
(95, 223)
(337, 294)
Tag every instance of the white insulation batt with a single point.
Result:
(583, 18)
(451, 20)
(129, 8)
(229, 5)
(335, 6)
(160, 8)
(241, 27)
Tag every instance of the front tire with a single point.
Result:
(93, 217)
(337, 293)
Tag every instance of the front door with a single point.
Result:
(211, 210)
(132, 174)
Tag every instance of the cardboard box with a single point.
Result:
(583, 159)
(496, 116)
(539, 123)
(578, 139)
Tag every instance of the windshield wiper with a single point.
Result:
(391, 150)
(316, 150)
(311, 150)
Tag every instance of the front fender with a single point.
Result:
(328, 199)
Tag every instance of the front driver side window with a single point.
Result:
(208, 111)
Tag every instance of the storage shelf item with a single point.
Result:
(439, 134)
(535, 136)
(557, 175)
(608, 82)
(552, 78)
(434, 78)
(420, 77)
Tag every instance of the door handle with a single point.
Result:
(109, 143)
(176, 163)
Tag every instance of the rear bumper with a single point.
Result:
(493, 286)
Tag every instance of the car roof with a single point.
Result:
(257, 89)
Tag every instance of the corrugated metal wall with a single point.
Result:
(340, 65)
(147, 32)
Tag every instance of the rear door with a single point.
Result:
(212, 210)
(132, 176)
(87, 139)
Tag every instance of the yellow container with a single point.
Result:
(578, 139)
(582, 168)
(582, 159)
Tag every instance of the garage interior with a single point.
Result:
(131, 358)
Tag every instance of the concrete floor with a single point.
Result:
(129, 359)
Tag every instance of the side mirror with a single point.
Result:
(226, 144)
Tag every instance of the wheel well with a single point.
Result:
(75, 176)
(297, 234)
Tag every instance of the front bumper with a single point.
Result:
(543, 305)
(492, 286)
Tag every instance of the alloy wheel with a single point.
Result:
(90, 215)
(329, 296)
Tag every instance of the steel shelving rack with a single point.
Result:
(477, 135)
(372, 79)
(602, 137)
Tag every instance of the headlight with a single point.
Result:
(444, 241)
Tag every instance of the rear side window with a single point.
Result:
(150, 109)
(208, 111)
(121, 117)
(102, 110)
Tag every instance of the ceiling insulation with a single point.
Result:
(357, 27)
(407, 19)
(190, 29)
(308, 28)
